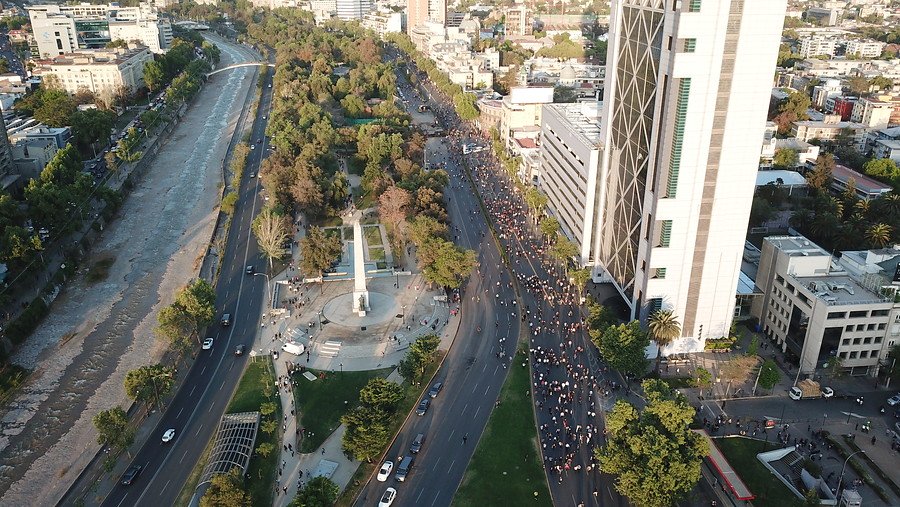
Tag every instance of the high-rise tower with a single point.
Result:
(687, 90)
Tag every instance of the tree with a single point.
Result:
(318, 492)
(834, 367)
(821, 175)
(580, 278)
(653, 453)
(366, 436)
(664, 329)
(624, 347)
(564, 250)
(769, 374)
(193, 309)
(536, 200)
(272, 231)
(883, 169)
(703, 377)
(599, 318)
(446, 264)
(265, 449)
(423, 228)
(149, 383)
(92, 125)
(786, 158)
(549, 227)
(226, 490)
(381, 393)
(737, 370)
(879, 235)
(319, 250)
(113, 429)
(419, 355)
(393, 205)
(858, 85)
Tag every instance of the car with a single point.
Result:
(252, 175)
(259, 141)
(226, 320)
(207, 343)
(168, 436)
(894, 400)
(270, 85)
(423, 406)
(435, 389)
(385, 471)
(239, 350)
(250, 269)
(131, 474)
(827, 392)
(252, 146)
(416, 446)
(387, 498)
(264, 117)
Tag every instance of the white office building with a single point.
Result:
(353, 9)
(61, 29)
(107, 73)
(685, 107)
(570, 158)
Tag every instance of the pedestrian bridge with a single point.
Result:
(248, 64)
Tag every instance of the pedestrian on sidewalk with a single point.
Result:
(465, 437)
(323, 450)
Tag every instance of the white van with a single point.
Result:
(294, 348)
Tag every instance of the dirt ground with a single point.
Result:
(97, 332)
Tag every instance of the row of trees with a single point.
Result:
(192, 310)
(463, 101)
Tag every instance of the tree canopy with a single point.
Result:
(624, 347)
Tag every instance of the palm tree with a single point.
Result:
(664, 329)
(879, 234)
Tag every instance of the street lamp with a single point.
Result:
(268, 287)
(841, 479)
(319, 315)
(404, 313)
(342, 369)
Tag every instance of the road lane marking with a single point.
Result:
(476, 412)
(203, 370)
(486, 390)
(198, 430)
(164, 487)
(179, 413)
(436, 496)
(420, 494)
(464, 409)
(192, 391)
(123, 500)
(450, 467)
(182, 458)
(451, 435)
(474, 388)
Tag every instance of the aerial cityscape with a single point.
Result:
(307, 253)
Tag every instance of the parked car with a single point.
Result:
(894, 400)
(239, 350)
(827, 392)
(385, 471)
(131, 474)
(250, 269)
(207, 344)
(423, 406)
(168, 436)
(435, 389)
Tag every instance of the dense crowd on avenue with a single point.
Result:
(568, 382)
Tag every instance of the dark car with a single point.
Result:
(131, 474)
(417, 443)
(239, 350)
(250, 270)
(435, 389)
(423, 406)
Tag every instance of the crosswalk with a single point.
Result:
(330, 349)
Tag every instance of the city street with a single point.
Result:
(472, 373)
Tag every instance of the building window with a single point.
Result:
(867, 340)
(655, 305)
(659, 273)
(849, 328)
(853, 355)
(845, 341)
(694, 6)
(690, 45)
(857, 341)
(837, 315)
(860, 327)
(665, 233)
(684, 91)
(843, 355)
(877, 339)
(882, 326)
(858, 314)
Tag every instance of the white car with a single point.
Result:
(827, 392)
(893, 400)
(385, 471)
(252, 175)
(207, 343)
(169, 435)
(387, 498)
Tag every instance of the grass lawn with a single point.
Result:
(324, 401)
(741, 455)
(256, 388)
(497, 474)
(373, 235)
(376, 254)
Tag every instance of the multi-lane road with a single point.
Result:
(199, 404)
(471, 372)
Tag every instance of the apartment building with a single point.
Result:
(829, 129)
(872, 113)
(518, 21)
(570, 160)
(821, 93)
(817, 45)
(520, 114)
(62, 29)
(105, 72)
(420, 11)
(383, 22)
(813, 309)
(864, 48)
(684, 117)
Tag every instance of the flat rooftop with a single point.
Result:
(583, 118)
(838, 289)
(796, 246)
